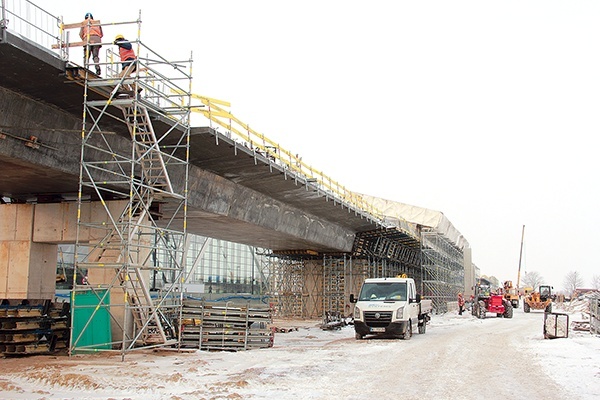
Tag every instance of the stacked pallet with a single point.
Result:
(33, 329)
(225, 326)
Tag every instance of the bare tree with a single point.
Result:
(533, 279)
(596, 282)
(573, 280)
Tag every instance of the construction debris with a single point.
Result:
(333, 320)
(588, 306)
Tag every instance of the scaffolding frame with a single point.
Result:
(311, 287)
(443, 269)
(143, 192)
(286, 286)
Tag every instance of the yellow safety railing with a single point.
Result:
(256, 141)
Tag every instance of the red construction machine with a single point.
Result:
(488, 301)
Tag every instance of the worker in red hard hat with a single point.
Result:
(91, 35)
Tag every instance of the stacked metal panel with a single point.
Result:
(33, 329)
(226, 326)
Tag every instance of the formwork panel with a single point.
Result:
(4, 257)
(18, 271)
(57, 222)
(16, 221)
(42, 271)
(49, 222)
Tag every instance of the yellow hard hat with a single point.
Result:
(119, 36)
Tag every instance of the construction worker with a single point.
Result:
(461, 303)
(91, 34)
(128, 57)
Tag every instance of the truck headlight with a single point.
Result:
(356, 312)
(399, 312)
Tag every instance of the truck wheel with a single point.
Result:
(481, 310)
(358, 336)
(508, 311)
(408, 333)
(549, 308)
(422, 326)
(525, 307)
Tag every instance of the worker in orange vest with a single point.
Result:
(461, 303)
(91, 35)
(127, 55)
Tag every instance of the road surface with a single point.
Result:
(459, 357)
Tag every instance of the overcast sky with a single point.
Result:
(484, 110)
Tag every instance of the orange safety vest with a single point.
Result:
(95, 30)
(126, 54)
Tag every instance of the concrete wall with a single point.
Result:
(29, 238)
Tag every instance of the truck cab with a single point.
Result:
(389, 307)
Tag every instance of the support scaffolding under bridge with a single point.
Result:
(443, 269)
(314, 286)
(309, 286)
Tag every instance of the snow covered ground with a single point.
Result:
(459, 357)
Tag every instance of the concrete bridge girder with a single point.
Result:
(218, 207)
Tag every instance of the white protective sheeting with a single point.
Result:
(399, 214)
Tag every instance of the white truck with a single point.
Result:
(390, 307)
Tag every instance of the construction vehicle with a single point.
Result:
(487, 301)
(390, 307)
(511, 294)
(538, 300)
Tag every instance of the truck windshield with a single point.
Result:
(381, 291)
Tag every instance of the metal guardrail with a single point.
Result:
(30, 21)
(258, 142)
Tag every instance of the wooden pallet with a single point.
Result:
(226, 326)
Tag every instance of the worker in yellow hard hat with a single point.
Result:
(127, 55)
(125, 52)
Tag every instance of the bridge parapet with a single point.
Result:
(30, 21)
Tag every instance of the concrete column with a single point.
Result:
(313, 288)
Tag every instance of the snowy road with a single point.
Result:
(459, 357)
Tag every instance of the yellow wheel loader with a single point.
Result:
(540, 300)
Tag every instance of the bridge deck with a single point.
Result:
(233, 185)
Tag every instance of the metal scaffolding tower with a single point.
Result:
(286, 286)
(443, 270)
(139, 176)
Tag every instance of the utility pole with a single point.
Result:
(520, 258)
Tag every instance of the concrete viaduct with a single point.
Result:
(236, 194)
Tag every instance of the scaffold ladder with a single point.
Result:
(147, 146)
